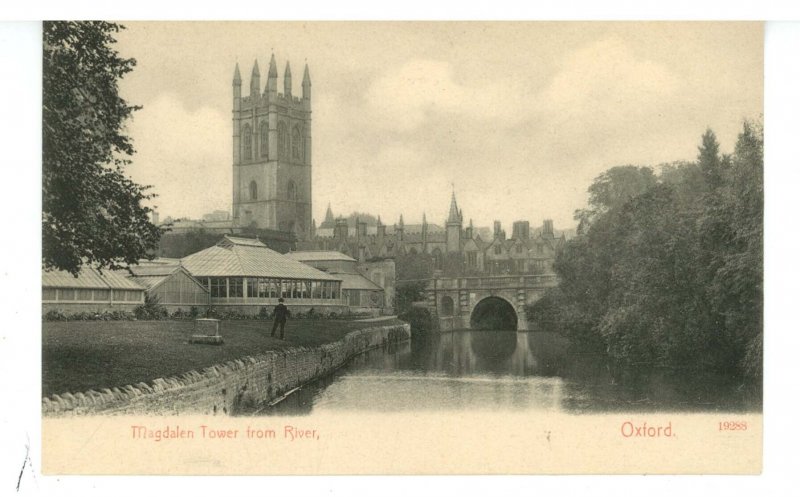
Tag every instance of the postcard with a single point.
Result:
(402, 248)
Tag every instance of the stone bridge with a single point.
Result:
(456, 300)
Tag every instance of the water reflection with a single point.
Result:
(480, 370)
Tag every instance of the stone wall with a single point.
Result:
(230, 387)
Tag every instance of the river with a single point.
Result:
(507, 370)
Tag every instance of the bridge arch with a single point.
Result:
(494, 312)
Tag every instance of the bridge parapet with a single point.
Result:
(455, 299)
(487, 282)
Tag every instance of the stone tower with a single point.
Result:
(272, 153)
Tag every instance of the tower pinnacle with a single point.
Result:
(255, 81)
(272, 77)
(237, 77)
(273, 68)
(287, 81)
(306, 84)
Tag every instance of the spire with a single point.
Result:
(455, 214)
(424, 219)
(237, 76)
(379, 220)
(401, 224)
(255, 81)
(306, 84)
(287, 80)
(329, 214)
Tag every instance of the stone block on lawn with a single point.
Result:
(205, 326)
(206, 331)
(207, 339)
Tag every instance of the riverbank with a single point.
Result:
(105, 359)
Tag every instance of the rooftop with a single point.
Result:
(235, 256)
(319, 255)
(88, 278)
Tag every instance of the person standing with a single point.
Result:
(281, 313)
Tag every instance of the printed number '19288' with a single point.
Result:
(732, 425)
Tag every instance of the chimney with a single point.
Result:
(547, 229)
(340, 230)
(521, 230)
(361, 230)
(400, 229)
(381, 231)
(499, 234)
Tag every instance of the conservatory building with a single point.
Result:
(90, 291)
(243, 274)
(362, 294)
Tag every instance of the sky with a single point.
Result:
(517, 118)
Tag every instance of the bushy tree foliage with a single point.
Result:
(667, 269)
(91, 212)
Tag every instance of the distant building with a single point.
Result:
(367, 287)
(90, 291)
(217, 215)
(243, 274)
(527, 251)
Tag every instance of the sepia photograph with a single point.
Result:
(402, 247)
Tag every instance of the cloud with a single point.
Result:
(606, 76)
(185, 155)
(421, 90)
(607, 105)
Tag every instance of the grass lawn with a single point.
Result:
(83, 355)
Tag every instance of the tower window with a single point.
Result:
(291, 191)
(247, 138)
(253, 191)
(283, 140)
(297, 144)
(264, 139)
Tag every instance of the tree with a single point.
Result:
(612, 189)
(91, 212)
(668, 270)
(414, 266)
(709, 160)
